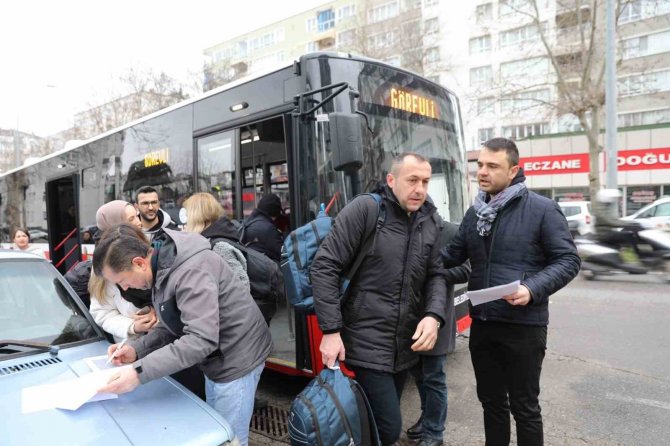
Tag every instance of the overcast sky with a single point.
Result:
(58, 57)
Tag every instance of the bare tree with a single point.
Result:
(139, 93)
(572, 44)
(404, 39)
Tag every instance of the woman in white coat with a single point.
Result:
(109, 309)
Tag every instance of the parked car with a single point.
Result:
(38, 234)
(654, 216)
(46, 334)
(579, 211)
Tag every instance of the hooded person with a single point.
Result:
(260, 230)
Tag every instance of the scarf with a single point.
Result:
(487, 212)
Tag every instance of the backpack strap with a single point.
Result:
(367, 244)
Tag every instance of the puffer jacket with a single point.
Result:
(207, 316)
(260, 233)
(529, 241)
(400, 281)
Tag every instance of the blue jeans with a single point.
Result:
(431, 380)
(235, 401)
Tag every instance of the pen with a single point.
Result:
(109, 360)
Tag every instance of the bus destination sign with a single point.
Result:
(413, 103)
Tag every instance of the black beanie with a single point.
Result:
(271, 205)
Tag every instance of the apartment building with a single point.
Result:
(513, 91)
(405, 33)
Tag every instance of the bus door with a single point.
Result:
(239, 166)
(63, 222)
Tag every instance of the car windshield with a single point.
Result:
(35, 305)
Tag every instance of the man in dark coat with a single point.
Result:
(511, 234)
(396, 300)
(259, 232)
(429, 374)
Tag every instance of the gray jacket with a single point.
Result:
(207, 316)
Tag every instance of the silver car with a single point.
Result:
(45, 335)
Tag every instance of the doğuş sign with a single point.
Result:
(642, 159)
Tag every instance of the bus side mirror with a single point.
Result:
(346, 141)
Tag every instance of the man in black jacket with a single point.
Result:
(511, 234)
(260, 231)
(429, 374)
(396, 301)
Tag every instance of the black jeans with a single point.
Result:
(507, 359)
(383, 390)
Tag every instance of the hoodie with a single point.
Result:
(164, 221)
(207, 315)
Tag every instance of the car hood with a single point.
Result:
(159, 412)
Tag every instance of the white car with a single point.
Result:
(579, 211)
(654, 216)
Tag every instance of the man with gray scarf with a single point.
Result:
(509, 234)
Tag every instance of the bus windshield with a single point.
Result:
(405, 113)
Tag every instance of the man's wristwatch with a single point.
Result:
(137, 365)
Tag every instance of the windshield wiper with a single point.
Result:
(52, 349)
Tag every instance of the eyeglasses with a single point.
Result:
(146, 204)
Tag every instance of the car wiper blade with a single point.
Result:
(52, 349)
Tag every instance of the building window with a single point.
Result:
(383, 12)
(325, 20)
(481, 75)
(644, 83)
(524, 100)
(644, 117)
(480, 44)
(485, 105)
(646, 45)
(432, 54)
(432, 26)
(310, 24)
(643, 9)
(525, 130)
(346, 11)
(508, 7)
(485, 134)
(638, 197)
(411, 29)
(346, 38)
(484, 13)
(429, 3)
(519, 36)
(528, 68)
(382, 40)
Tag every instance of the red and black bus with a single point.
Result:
(326, 126)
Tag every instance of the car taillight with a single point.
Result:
(588, 219)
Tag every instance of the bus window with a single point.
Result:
(216, 169)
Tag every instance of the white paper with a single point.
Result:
(70, 394)
(96, 363)
(494, 293)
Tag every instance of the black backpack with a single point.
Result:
(265, 276)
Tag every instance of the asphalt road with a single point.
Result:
(605, 379)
